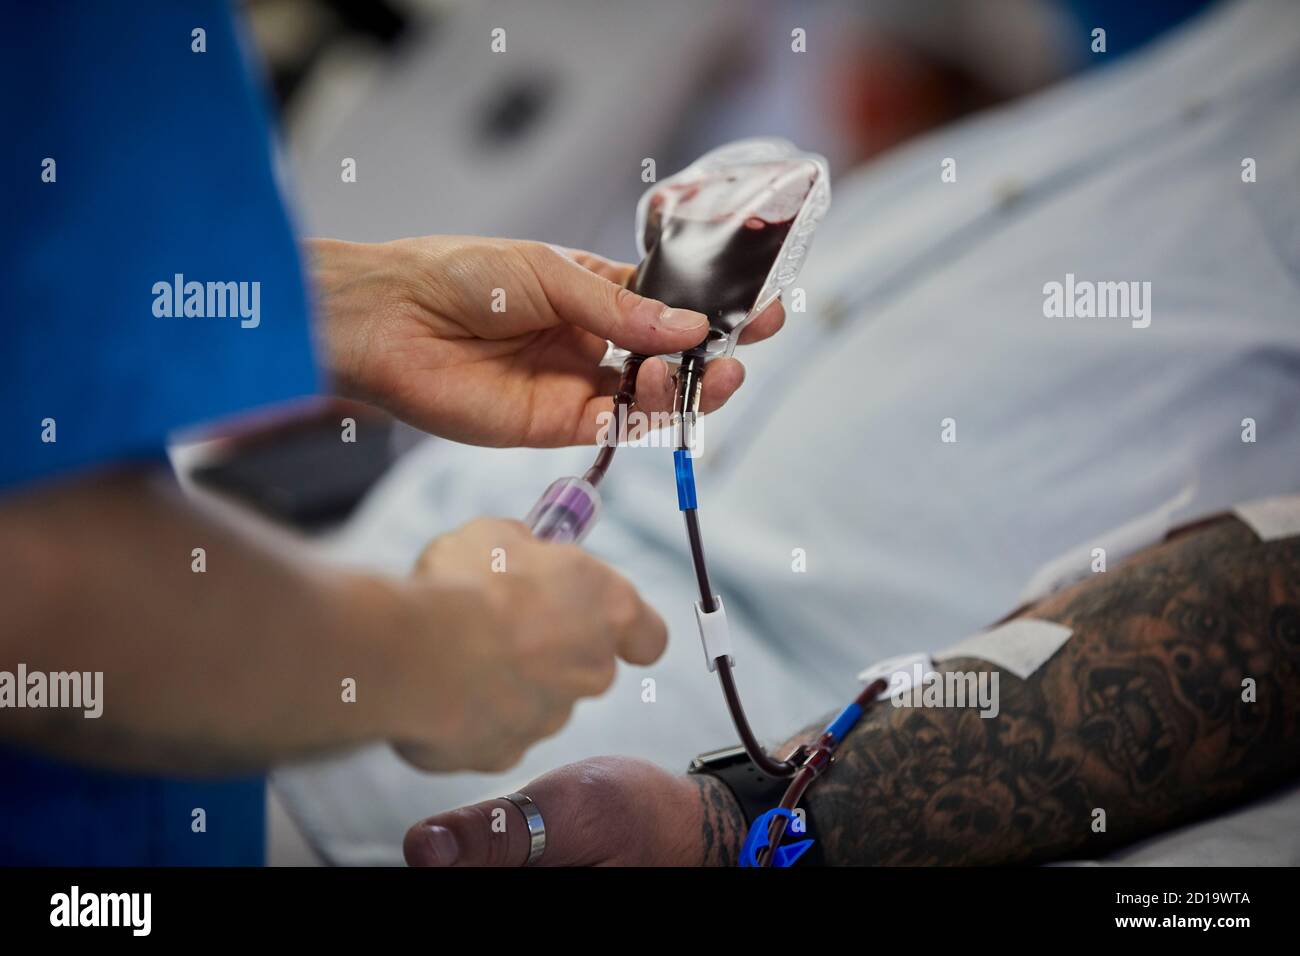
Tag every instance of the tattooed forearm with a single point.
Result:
(723, 827)
(1177, 694)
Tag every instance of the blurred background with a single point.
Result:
(547, 140)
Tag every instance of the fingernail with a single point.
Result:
(440, 847)
(682, 320)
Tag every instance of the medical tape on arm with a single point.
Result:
(1272, 519)
(1020, 646)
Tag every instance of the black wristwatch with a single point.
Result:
(756, 792)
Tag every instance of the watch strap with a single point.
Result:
(756, 793)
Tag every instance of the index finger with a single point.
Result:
(764, 325)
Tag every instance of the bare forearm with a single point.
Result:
(236, 665)
(1140, 714)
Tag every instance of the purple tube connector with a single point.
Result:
(565, 512)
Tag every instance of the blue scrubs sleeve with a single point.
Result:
(150, 276)
(150, 281)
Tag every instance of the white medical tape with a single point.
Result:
(900, 673)
(1020, 646)
(1272, 518)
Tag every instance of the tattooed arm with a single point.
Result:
(1141, 714)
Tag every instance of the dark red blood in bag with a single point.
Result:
(711, 243)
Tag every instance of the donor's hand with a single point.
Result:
(607, 811)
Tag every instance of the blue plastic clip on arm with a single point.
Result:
(756, 841)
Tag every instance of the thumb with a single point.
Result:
(495, 832)
(492, 833)
(604, 308)
(584, 814)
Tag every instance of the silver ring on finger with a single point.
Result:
(536, 826)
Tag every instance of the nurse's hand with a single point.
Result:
(498, 342)
(517, 631)
(607, 811)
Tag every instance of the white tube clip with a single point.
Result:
(714, 633)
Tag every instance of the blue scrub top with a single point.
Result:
(1129, 25)
(161, 167)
